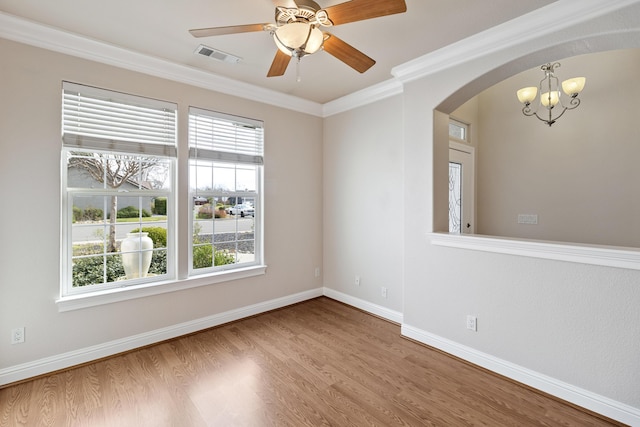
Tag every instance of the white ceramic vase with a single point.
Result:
(137, 250)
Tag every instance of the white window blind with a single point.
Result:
(223, 137)
(104, 120)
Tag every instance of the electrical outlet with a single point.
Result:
(317, 272)
(357, 281)
(472, 323)
(383, 291)
(17, 335)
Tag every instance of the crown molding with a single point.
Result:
(536, 24)
(555, 17)
(547, 20)
(362, 97)
(38, 35)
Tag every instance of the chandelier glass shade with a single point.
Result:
(298, 38)
(551, 106)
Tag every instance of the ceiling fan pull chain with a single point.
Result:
(298, 78)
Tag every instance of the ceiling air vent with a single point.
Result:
(217, 54)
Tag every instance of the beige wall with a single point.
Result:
(575, 323)
(580, 175)
(363, 203)
(30, 139)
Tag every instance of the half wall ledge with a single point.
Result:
(608, 256)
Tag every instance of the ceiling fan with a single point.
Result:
(297, 33)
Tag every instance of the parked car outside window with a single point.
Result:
(242, 209)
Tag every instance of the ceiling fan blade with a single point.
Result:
(220, 31)
(358, 10)
(279, 64)
(347, 54)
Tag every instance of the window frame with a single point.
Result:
(227, 156)
(68, 194)
(105, 122)
(179, 230)
(461, 125)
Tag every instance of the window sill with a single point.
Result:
(80, 301)
(609, 256)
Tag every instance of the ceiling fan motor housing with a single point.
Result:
(297, 32)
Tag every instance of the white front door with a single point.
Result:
(461, 191)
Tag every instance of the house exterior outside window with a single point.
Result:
(119, 195)
(118, 168)
(225, 185)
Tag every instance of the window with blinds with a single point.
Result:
(95, 118)
(119, 165)
(218, 136)
(226, 154)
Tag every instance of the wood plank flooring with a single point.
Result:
(318, 363)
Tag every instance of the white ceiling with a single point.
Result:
(159, 28)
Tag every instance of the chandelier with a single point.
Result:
(551, 106)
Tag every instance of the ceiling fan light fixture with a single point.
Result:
(297, 30)
(298, 39)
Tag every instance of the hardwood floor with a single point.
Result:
(318, 363)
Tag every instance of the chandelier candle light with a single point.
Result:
(550, 97)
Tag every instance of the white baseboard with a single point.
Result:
(378, 310)
(62, 361)
(586, 399)
(600, 404)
